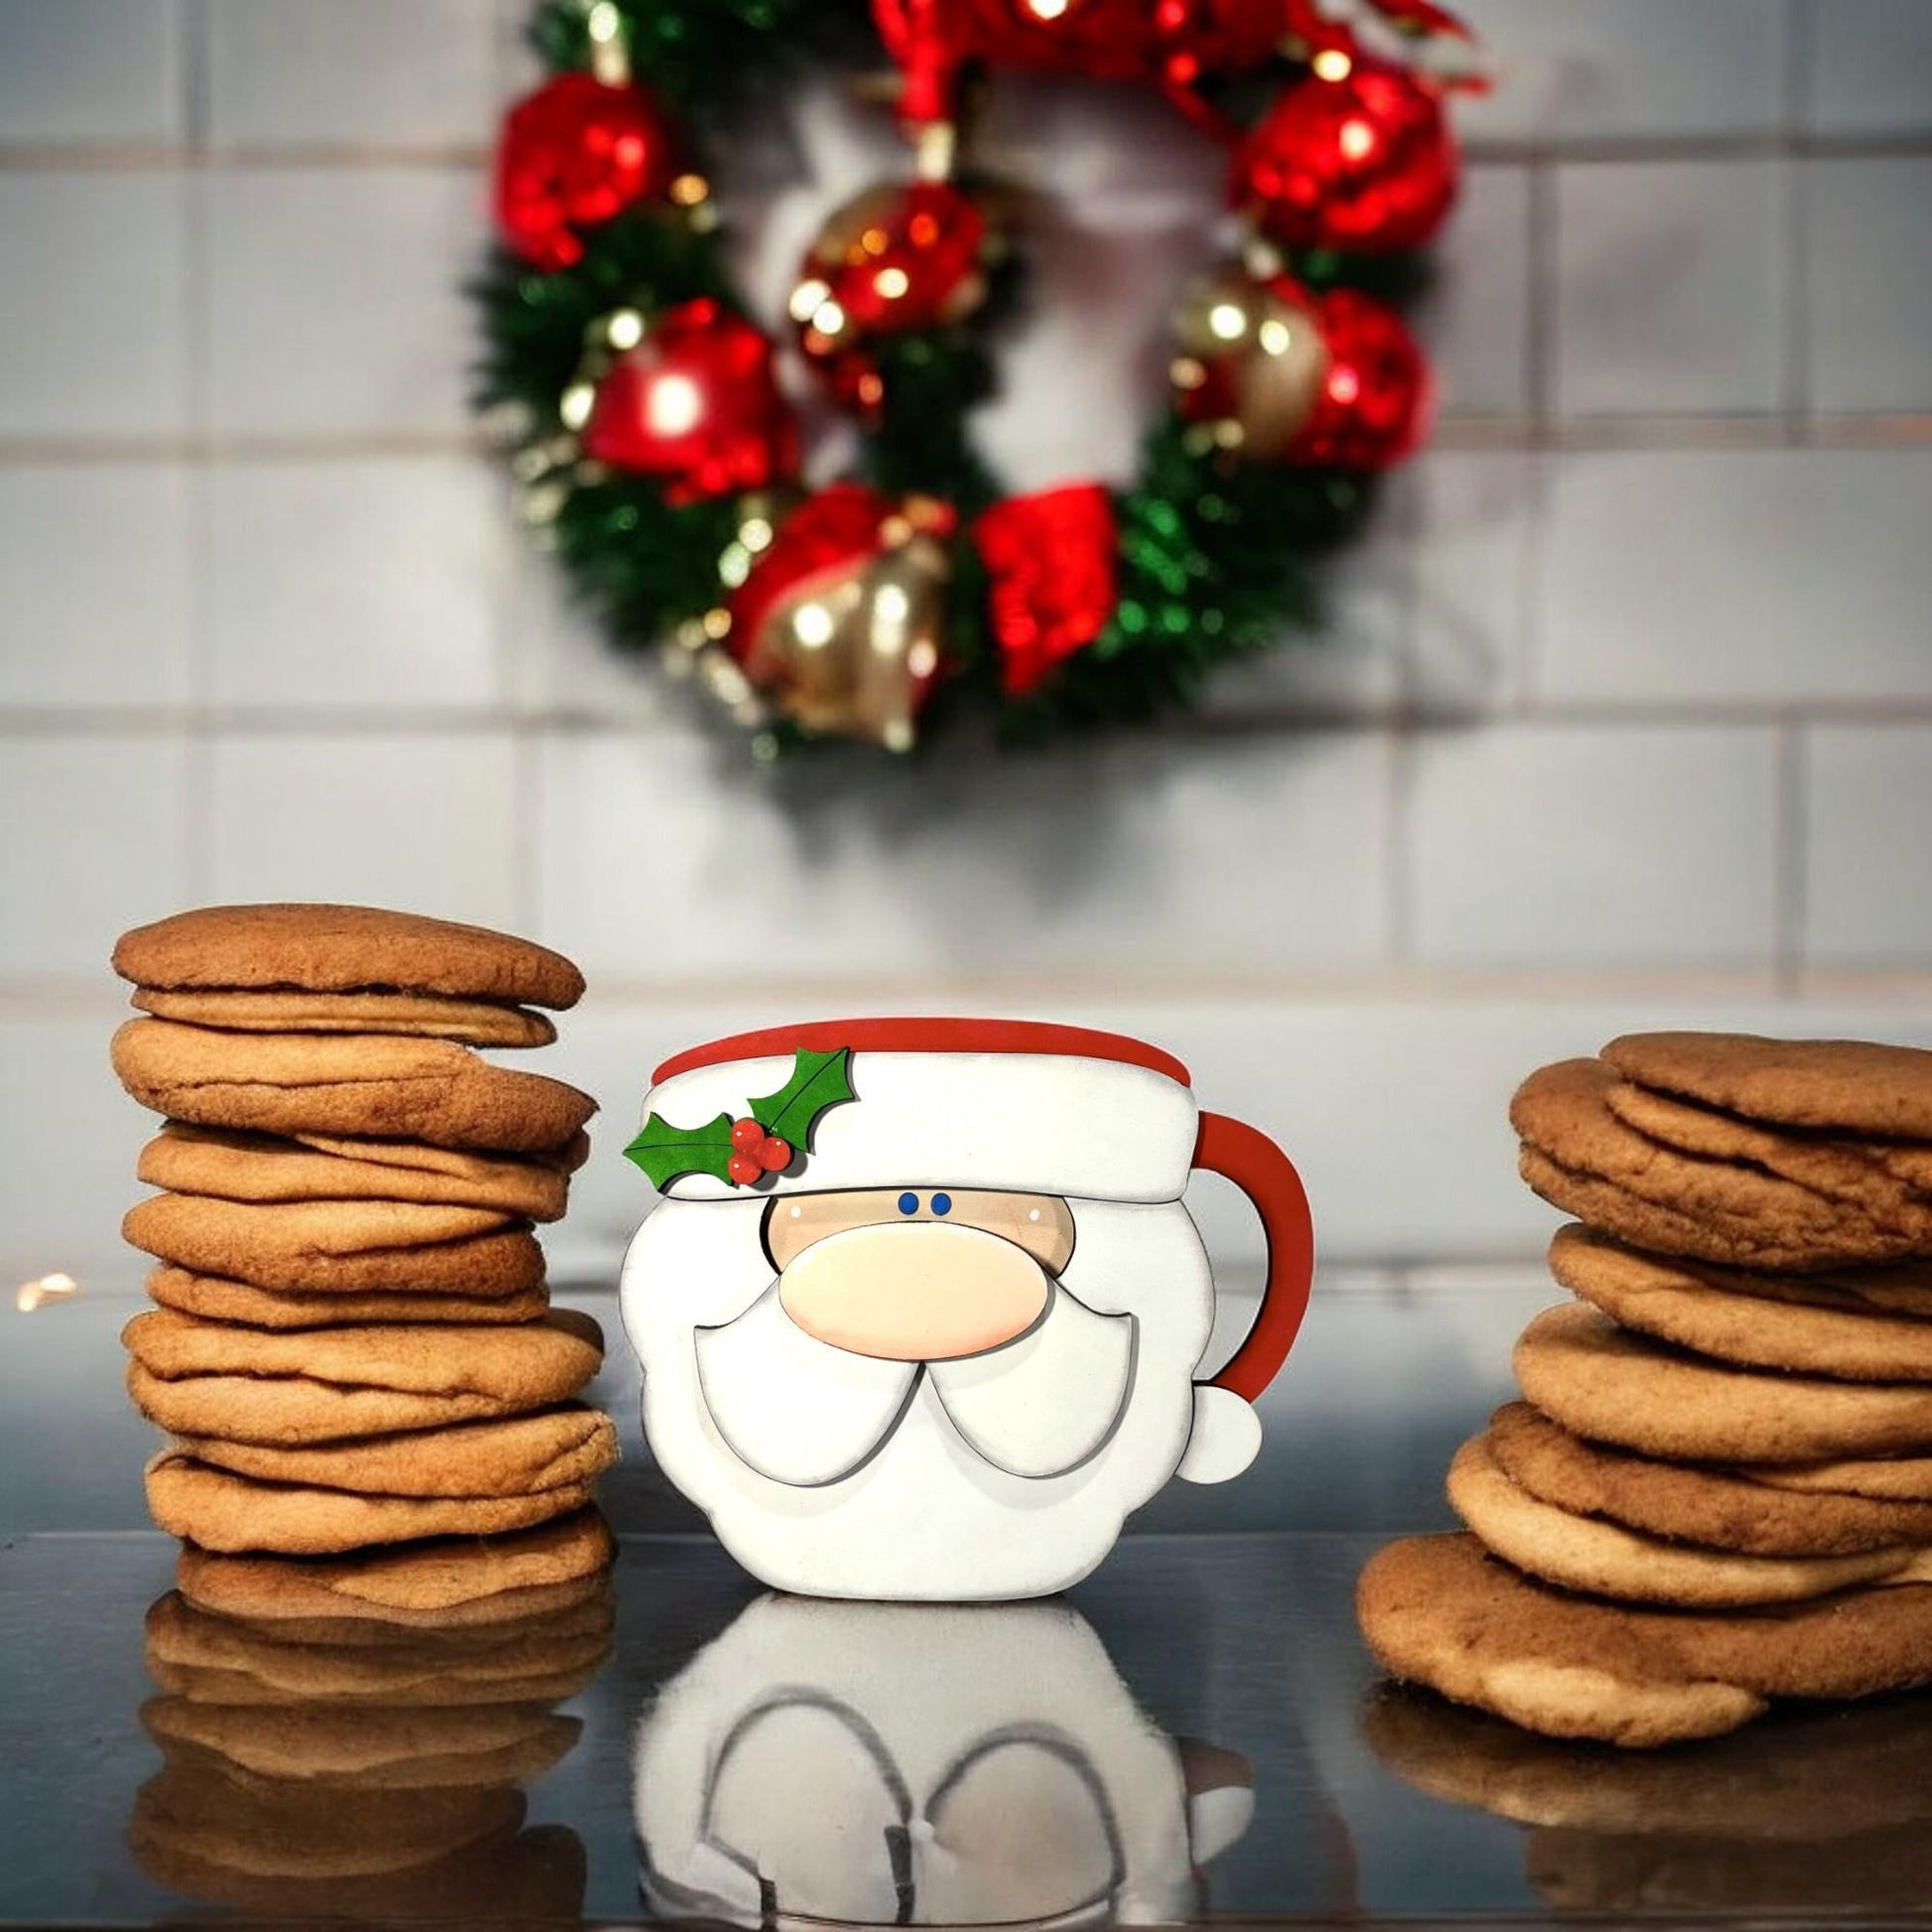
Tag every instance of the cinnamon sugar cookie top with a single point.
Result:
(342, 949)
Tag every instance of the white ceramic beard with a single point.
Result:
(1036, 1406)
(874, 1764)
(889, 1495)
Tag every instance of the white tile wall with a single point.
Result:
(73, 70)
(394, 818)
(1574, 845)
(86, 630)
(333, 301)
(1869, 867)
(98, 350)
(1865, 67)
(1626, 700)
(1617, 69)
(373, 581)
(667, 860)
(1867, 254)
(1737, 575)
(96, 841)
(1668, 287)
(1475, 312)
(285, 72)
(1476, 512)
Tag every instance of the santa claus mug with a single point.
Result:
(921, 1310)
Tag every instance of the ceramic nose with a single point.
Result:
(917, 1293)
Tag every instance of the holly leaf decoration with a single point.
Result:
(818, 1082)
(665, 1152)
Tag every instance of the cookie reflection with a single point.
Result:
(1808, 1809)
(899, 1764)
(352, 1739)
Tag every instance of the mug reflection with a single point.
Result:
(877, 1764)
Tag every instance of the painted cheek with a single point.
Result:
(919, 1292)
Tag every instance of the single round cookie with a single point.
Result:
(342, 949)
(422, 1016)
(1903, 1479)
(354, 1747)
(506, 1262)
(1690, 1503)
(1563, 1112)
(446, 1586)
(1825, 1163)
(248, 1242)
(1440, 1611)
(370, 1084)
(219, 1510)
(263, 1169)
(420, 1156)
(204, 1378)
(1608, 1560)
(526, 1455)
(1904, 1287)
(215, 1300)
(1664, 1299)
(1604, 1383)
(1852, 1085)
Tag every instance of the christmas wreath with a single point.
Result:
(658, 455)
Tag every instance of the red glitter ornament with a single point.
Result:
(1172, 42)
(841, 622)
(573, 153)
(891, 260)
(1357, 156)
(696, 404)
(1377, 399)
(1052, 577)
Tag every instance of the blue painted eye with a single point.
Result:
(942, 1204)
(910, 1204)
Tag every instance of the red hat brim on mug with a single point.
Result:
(1019, 1106)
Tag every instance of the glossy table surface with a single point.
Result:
(1193, 1733)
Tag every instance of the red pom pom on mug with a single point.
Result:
(943, 1350)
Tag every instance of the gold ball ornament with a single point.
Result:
(842, 626)
(1252, 360)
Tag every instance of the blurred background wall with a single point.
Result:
(1624, 717)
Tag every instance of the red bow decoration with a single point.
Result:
(1052, 578)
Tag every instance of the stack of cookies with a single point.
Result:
(354, 1343)
(1719, 1490)
(351, 1738)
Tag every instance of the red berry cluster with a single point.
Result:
(758, 1152)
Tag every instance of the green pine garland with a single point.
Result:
(1214, 553)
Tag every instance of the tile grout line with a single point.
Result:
(97, 157)
(1793, 856)
(1793, 187)
(1661, 434)
(1258, 720)
(192, 28)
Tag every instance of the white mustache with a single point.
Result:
(806, 1414)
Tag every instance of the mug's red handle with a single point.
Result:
(1267, 1176)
